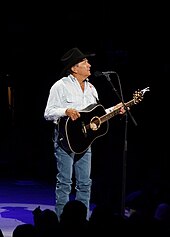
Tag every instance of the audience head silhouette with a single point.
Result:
(24, 230)
(74, 212)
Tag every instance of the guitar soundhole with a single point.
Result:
(95, 123)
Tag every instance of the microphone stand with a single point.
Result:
(125, 141)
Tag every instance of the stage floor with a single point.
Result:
(18, 198)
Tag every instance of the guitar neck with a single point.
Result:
(115, 111)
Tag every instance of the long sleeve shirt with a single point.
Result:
(67, 93)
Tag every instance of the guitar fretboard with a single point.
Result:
(110, 115)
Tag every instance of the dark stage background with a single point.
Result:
(134, 43)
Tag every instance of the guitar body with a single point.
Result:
(76, 136)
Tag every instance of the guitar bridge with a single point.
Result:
(84, 130)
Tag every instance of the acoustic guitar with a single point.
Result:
(76, 136)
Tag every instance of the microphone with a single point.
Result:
(99, 74)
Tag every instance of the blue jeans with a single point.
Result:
(66, 165)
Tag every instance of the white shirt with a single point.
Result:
(67, 93)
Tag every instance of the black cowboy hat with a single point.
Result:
(72, 57)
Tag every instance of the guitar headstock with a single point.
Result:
(138, 95)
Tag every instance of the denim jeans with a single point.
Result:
(67, 164)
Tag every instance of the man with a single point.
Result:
(68, 96)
